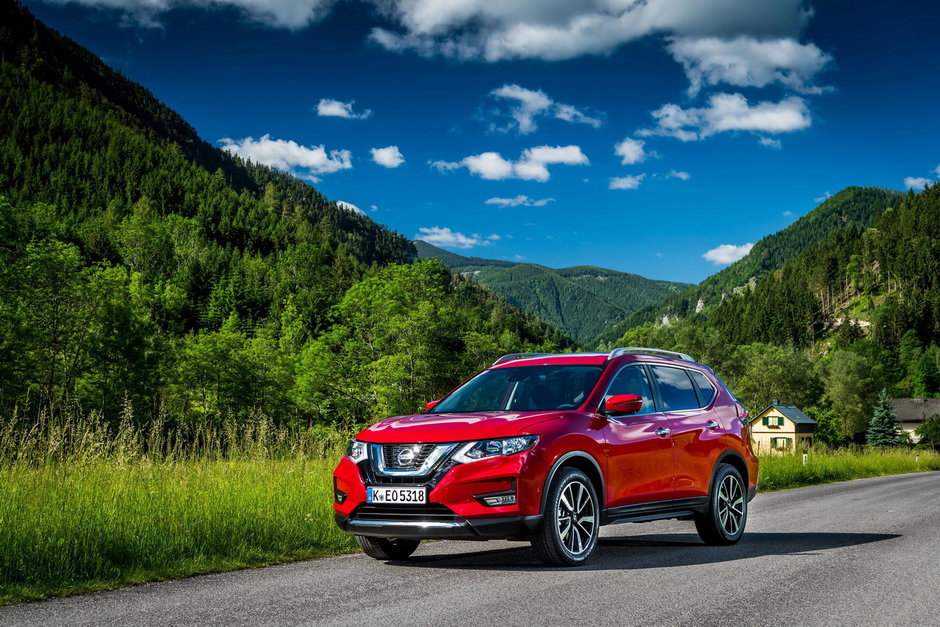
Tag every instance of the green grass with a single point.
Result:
(81, 512)
(84, 507)
(780, 472)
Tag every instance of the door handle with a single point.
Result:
(712, 424)
(663, 431)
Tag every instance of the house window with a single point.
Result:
(772, 421)
(781, 444)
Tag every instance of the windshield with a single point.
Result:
(523, 388)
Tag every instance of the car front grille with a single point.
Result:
(406, 456)
(432, 512)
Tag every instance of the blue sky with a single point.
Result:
(659, 138)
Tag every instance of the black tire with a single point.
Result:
(557, 543)
(724, 522)
(387, 548)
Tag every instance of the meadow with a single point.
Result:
(87, 507)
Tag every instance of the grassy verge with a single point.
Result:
(84, 508)
(780, 472)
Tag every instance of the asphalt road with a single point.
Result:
(864, 552)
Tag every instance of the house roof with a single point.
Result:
(791, 412)
(915, 409)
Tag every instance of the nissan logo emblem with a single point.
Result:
(406, 456)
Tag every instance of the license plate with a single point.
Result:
(418, 496)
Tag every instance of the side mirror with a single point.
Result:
(620, 404)
(431, 405)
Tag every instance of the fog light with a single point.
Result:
(339, 495)
(502, 499)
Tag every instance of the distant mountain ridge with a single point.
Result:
(859, 206)
(582, 301)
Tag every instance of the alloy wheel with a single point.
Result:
(576, 518)
(730, 505)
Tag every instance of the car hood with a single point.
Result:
(453, 427)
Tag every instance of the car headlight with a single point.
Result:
(357, 451)
(483, 449)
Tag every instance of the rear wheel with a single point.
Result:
(724, 521)
(568, 535)
(387, 548)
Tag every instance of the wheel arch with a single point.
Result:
(732, 458)
(584, 462)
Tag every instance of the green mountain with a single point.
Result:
(143, 271)
(858, 206)
(582, 301)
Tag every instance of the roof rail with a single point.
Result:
(617, 352)
(514, 356)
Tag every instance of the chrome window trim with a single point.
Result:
(378, 461)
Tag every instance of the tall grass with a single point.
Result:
(86, 507)
(779, 472)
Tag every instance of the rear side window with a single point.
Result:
(706, 392)
(675, 387)
(632, 380)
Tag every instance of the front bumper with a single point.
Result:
(456, 500)
(457, 529)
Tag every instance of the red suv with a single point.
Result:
(549, 447)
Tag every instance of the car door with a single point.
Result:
(639, 449)
(694, 429)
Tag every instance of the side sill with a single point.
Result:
(662, 510)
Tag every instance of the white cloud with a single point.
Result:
(770, 142)
(569, 113)
(531, 104)
(823, 197)
(373, 208)
(727, 253)
(446, 238)
(348, 206)
(749, 62)
(787, 214)
(531, 166)
(390, 156)
(327, 107)
(631, 151)
(627, 182)
(520, 201)
(730, 112)
(916, 182)
(565, 29)
(676, 174)
(494, 237)
(937, 170)
(289, 156)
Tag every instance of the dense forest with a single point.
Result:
(583, 301)
(143, 269)
(853, 206)
(856, 313)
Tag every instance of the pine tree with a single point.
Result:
(883, 430)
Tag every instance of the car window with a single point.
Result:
(523, 388)
(706, 391)
(632, 380)
(675, 387)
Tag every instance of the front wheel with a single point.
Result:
(724, 521)
(569, 531)
(387, 548)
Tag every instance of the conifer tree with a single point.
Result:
(883, 430)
